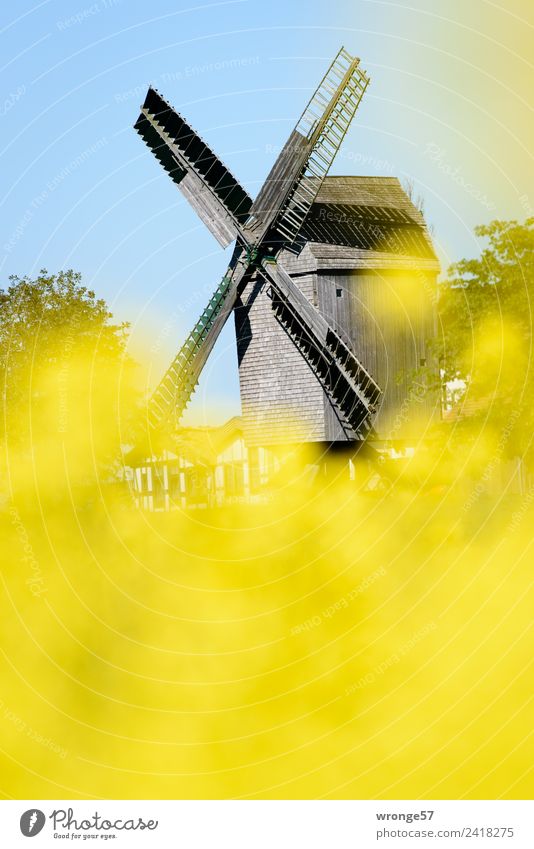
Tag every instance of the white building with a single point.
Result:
(211, 466)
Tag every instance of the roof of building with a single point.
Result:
(469, 407)
(376, 192)
(372, 215)
(202, 444)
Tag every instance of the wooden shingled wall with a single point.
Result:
(281, 399)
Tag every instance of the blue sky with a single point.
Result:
(449, 107)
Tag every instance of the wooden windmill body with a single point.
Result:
(331, 283)
(369, 268)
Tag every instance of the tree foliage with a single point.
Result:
(67, 380)
(485, 330)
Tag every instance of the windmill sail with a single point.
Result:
(262, 229)
(213, 192)
(351, 389)
(296, 177)
(174, 391)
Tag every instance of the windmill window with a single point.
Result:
(339, 293)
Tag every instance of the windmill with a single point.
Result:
(265, 231)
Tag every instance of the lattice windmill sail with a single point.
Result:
(262, 230)
(297, 175)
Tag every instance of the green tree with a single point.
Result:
(68, 383)
(485, 332)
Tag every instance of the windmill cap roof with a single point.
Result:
(385, 192)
